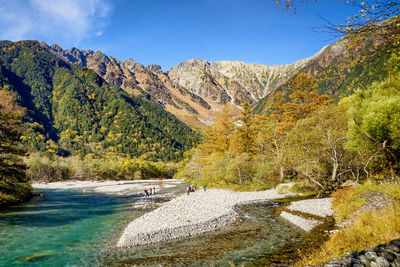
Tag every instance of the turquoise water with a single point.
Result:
(66, 229)
(69, 228)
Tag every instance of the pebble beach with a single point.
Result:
(196, 213)
(192, 214)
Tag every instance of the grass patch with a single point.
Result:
(242, 187)
(303, 189)
(283, 189)
(349, 199)
(389, 189)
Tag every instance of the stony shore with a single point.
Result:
(384, 255)
(191, 214)
(299, 221)
(110, 187)
(320, 207)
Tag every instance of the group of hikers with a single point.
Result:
(192, 188)
(149, 191)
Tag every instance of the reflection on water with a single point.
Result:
(74, 229)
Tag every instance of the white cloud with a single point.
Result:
(54, 21)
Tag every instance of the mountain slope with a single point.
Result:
(72, 109)
(195, 90)
(149, 82)
(345, 66)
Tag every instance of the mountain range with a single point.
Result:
(196, 90)
(86, 102)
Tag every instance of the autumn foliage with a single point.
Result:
(304, 135)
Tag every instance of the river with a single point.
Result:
(70, 228)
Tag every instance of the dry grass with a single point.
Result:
(347, 201)
(368, 230)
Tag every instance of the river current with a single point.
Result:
(70, 228)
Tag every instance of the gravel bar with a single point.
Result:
(321, 207)
(303, 223)
(191, 214)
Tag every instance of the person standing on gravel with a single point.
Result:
(188, 190)
(204, 187)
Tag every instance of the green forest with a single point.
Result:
(60, 121)
(72, 111)
(69, 124)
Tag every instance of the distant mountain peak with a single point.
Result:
(154, 67)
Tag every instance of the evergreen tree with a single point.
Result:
(14, 186)
(71, 110)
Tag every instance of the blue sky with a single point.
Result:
(167, 32)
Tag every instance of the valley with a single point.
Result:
(148, 133)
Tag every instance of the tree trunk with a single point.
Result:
(309, 177)
(334, 171)
(281, 172)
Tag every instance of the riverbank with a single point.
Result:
(192, 214)
(130, 187)
(366, 216)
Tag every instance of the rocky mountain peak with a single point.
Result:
(154, 67)
(231, 81)
(56, 48)
(132, 65)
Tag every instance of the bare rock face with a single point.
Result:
(196, 90)
(231, 81)
(154, 67)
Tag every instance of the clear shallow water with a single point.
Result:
(66, 229)
(74, 229)
(259, 238)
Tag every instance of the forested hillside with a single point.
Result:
(148, 82)
(71, 110)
